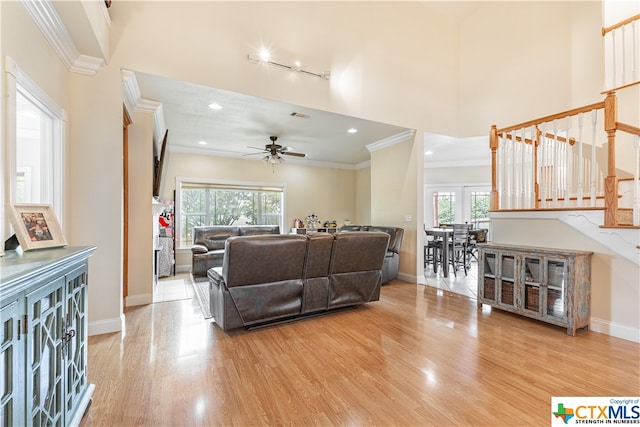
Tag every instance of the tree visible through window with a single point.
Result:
(480, 208)
(444, 206)
(226, 205)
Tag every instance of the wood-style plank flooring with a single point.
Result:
(418, 357)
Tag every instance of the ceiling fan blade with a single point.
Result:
(257, 148)
(253, 154)
(290, 153)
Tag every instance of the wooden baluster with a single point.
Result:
(493, 145)
(613, 59)
(523, 171)
(535, 136)
(580, 176)
(543, 166)
(554, 163)
(635, 50)
(594, 121)
(568, 170)
(636, 181)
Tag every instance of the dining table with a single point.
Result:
(444, 234)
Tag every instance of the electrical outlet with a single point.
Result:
(408, 218)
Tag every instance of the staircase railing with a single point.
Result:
(568, 160)
(622, 53)
(563, 161)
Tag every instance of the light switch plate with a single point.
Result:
(407, 218)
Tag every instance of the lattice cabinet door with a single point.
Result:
(75, 341)
(45, 360)
(11, 365)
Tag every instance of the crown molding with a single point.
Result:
(233, 154)
(392, 140)
(133, 101)
(48, 21)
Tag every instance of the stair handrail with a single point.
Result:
(611, 126)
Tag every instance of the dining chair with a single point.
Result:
(458, 248)
(432, 247)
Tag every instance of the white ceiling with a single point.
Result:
(247, 121)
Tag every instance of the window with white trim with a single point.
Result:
(216, 203)
(35, 132)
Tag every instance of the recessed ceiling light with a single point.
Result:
(428, 153)
(202, 142)
(215, 106)
(352, 130)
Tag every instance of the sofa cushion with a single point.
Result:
(214, 237)
(263, 259)
(254, 230)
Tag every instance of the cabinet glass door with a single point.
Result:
(45, 307)
(532, 281)
(556, 288)
(489, 276)
(11, 382)
(507, 279)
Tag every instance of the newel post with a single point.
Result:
(493, 144)
(611, 181)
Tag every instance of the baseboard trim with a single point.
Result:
(183, 268)
(411, 278)
(107, 326)
(140, 299)
(615, 329)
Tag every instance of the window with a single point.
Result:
(35, 143)
(226, 204)
(480, 208)
(444, 207)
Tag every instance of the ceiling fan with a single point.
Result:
(274, 152)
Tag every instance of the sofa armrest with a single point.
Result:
(199, 249)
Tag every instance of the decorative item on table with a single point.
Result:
(312, 221)
(36, 226)
(297, 223)
(333, 223)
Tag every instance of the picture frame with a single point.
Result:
(36, 226)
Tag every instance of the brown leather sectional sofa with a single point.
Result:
(208, 243)
(391, 263)
(272, 278)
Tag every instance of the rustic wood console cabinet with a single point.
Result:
(43, 337)
(552, 285)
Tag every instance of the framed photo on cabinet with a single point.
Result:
(36, 226)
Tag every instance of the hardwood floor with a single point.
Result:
(418, 357)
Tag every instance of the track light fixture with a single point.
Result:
(265, 58)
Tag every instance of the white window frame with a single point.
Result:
(18, 81)
(462, 196)
(203, 181)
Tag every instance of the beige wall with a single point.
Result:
(394, 198)
(469, 175)
(363, 197)
(141, 227)
(327, 192)
(517, 61)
